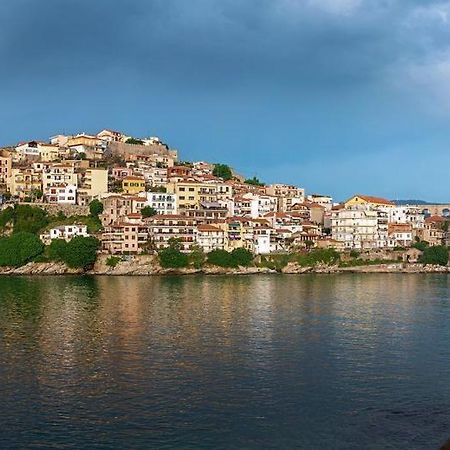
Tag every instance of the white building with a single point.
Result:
(360, 227)
(407, 214)
(164, 203)
(209, 237)
(66, 232)
(61, 193)
(254, 205)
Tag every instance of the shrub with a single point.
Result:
(197, 257)
(81, 252)
(324, 255)
(95, 207)
(354, 253)
(220, 258)
(435, 255)
(241, 257)
(19, 249)
(421, 245)
(57, 249)
(148, 211)
(171, 257)
(222, 171)
(6, 216)
(29, 219)
(112, 261)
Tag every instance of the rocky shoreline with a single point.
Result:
(148, 265)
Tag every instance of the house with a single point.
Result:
(162, 202)
(61, 193)
(24, 182)
(400, 234)
(209, 237)
(66, 232)
(368, 200)
(129, 235)
(133, 185)
(191, 193)
(91, 183)
(164, 227)
(117, 206)
(360, 226)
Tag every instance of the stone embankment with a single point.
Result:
(148, 265)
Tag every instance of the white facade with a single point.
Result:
(407, 214)
(360, 227)
(61, 193)
(164, 203)
(66, 232)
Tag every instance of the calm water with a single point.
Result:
(346, 361)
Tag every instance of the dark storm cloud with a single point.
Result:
(312, 80)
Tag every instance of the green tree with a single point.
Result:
(95, 207)
(222, 171)
(57, 249)
(81, 252)
(19, 249)
(437, 254)
(421, 245)
(134, 141)
(220, 258)
(29, 219)
(254, 181)
(148, 211)
(172, 257)
(197, 257)
(241, 257)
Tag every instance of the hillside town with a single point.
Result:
(149, 197)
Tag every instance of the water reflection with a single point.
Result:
(257, 361)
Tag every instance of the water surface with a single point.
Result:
(197, 362)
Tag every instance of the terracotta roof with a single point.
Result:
(372, 199)
(207, 228)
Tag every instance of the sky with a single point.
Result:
(336, 96)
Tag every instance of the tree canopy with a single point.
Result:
(254, 181)
(223, 171)
(148, 211)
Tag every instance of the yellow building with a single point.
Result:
(24, 182)
(48, 152)
(191, 193)
(374, 202)
(133, 185)
(83, 139)
(91, 183)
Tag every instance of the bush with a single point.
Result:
(81, 252)
(19, 249)
(421, 245)
(148, 211)
(222, 171)
(241, 257)
(197, 257)
(57, 249)
(6, 216)
(29, 219)
(95, 207)
(435, 255)
(171, 257)
(319, 256)
(112, 261)
(354, 253)
(220, 258)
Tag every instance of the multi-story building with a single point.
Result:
(162, 202)
(400, 234)
(164, 227)
(61, 193)
(133, 185)
(91, 183)
(207, 212)
(5, 168)
(191, 193)
(56, 174)
(117, 206)
(287, 195)
(360, 227)
(254, 205)
(408, 214)
(209, 237)
(368, 200)
(129, 235)
(24, 182)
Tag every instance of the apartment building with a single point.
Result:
(116, 206)
(191, 193)
(210, 237)
(254, 205)
(360, 226)
(129, 235)
(61, 193)
(207, 212)
(133, 185)
(162, 202)
(57, 174)
(24, 182)
(164, 227)
(91, 183)
(5, 167)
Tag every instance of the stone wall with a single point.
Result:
(67, 210)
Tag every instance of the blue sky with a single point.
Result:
(338, 96)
